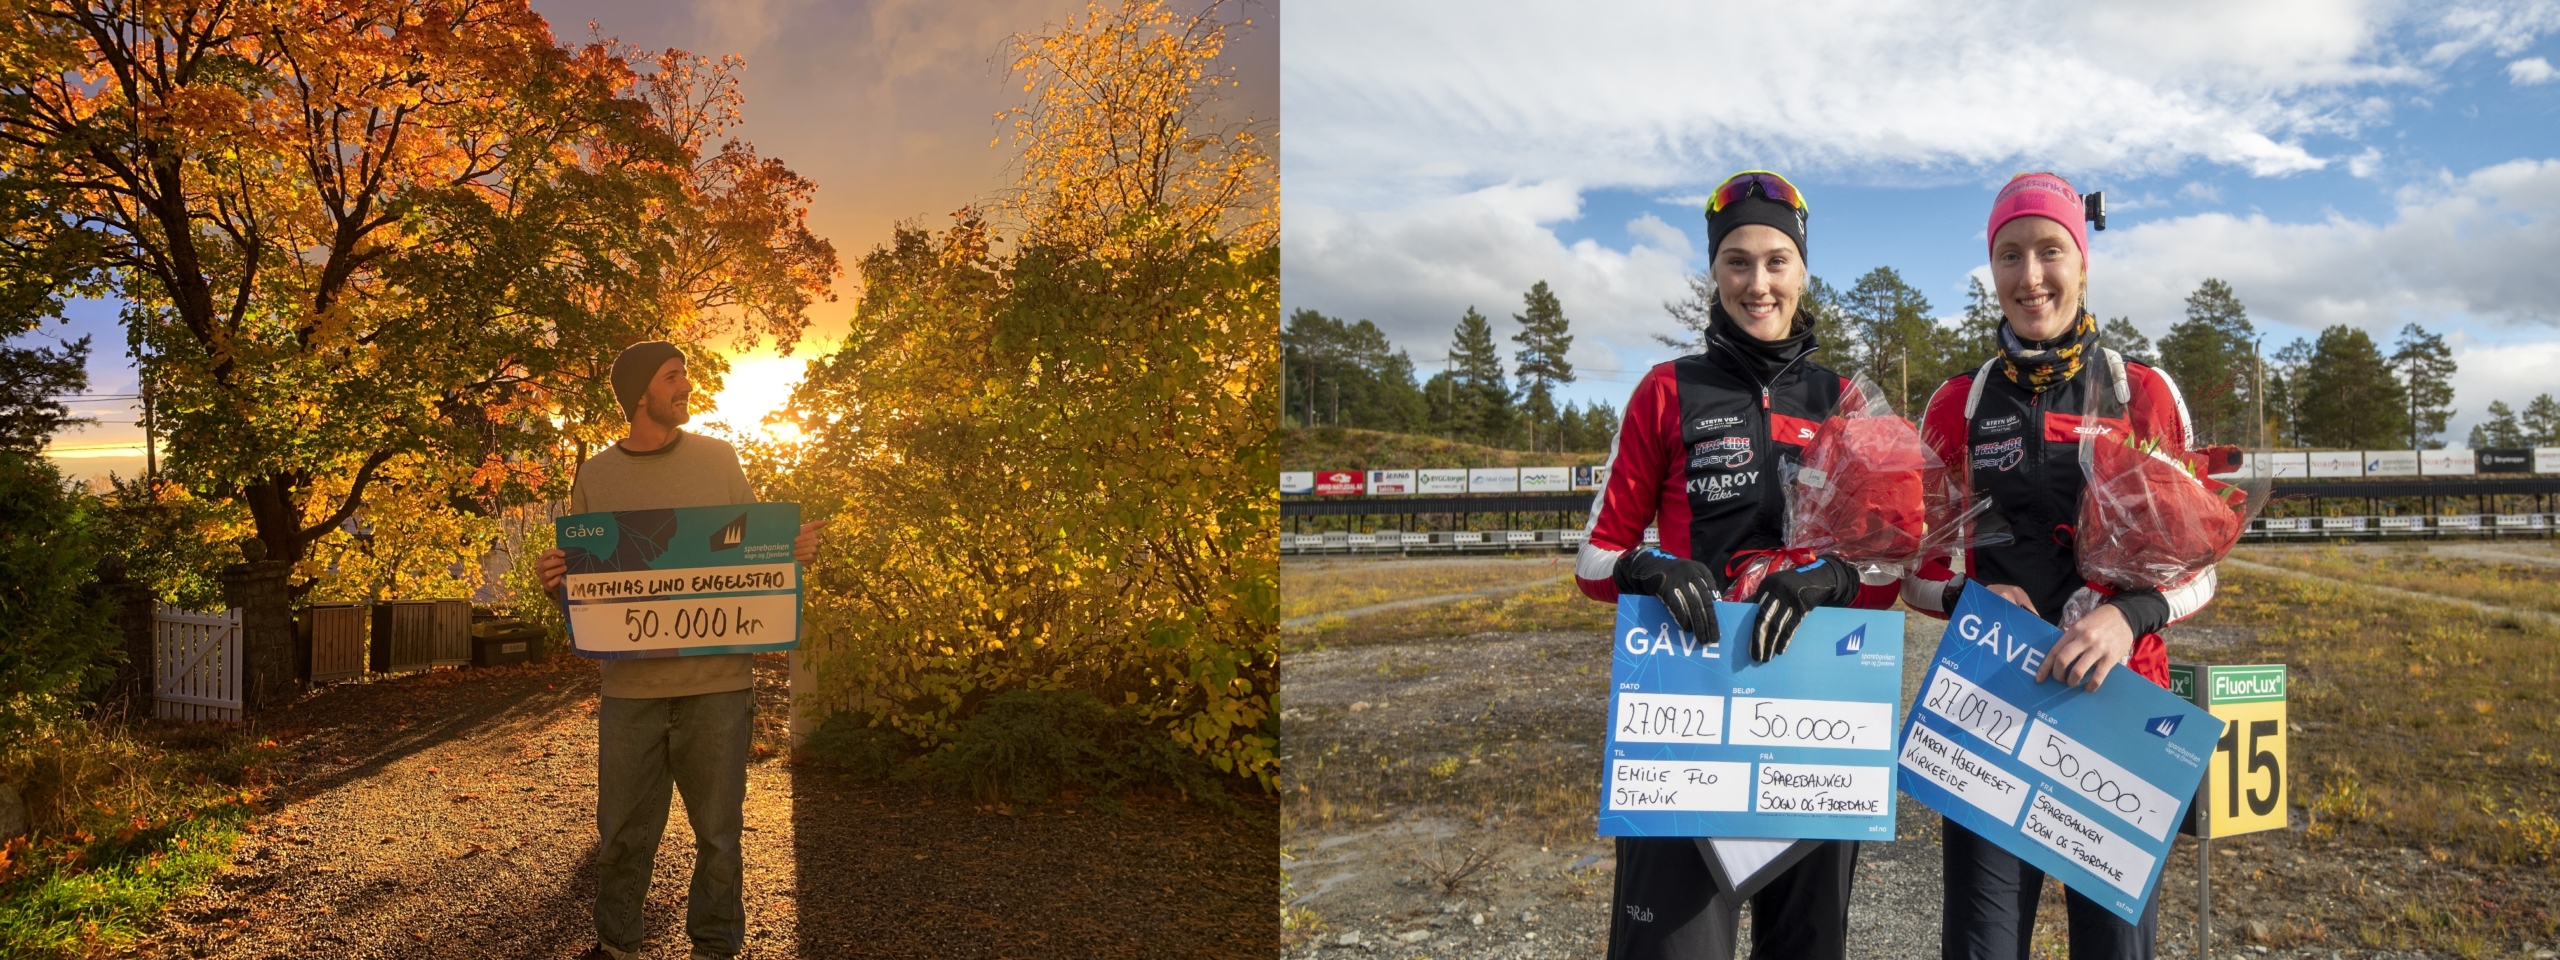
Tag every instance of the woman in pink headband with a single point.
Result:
(2013, 422)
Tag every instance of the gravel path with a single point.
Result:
(453, 815)
(1525, 706)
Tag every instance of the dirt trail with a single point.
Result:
(453, 815)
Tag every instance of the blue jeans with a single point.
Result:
(696, 744)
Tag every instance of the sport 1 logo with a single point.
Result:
(2002, 455)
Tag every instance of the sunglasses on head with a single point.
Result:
(1739, 187)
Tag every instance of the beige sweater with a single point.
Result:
(692, 471)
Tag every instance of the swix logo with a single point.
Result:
(1997, 424)
(2000, 455)
(2162, 727)
(2092, 430)
(1856, 640)
(1727, 452)
(1715, 423)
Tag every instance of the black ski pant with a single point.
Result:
(1668, 905)
(1991, 909)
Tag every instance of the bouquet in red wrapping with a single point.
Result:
(1867, 491)
(2160, 508)
(2151, 515)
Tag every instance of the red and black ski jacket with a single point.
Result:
(2022, 448)
(1697, 455)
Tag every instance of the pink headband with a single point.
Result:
(2040, 195)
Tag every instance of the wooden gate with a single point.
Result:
(196, 664)
(337, 640)
(452, 633)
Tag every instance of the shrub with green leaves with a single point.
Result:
(57, 635)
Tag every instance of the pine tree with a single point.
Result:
(1889, 324)
(2500, 431)
(1544, 340)
(1482, 412)
(2541, 424)
(2284, 391)
(1347, 374)
(1980, 329)
(2350, 399)
(2426, 371)
(2211, 355)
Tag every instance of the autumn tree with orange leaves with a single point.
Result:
(1049, 424)
(357, 239)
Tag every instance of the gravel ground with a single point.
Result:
(453, 815)
(1518, 712)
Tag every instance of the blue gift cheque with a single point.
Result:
(1704, 742)
(682, 582)
(2087, 785)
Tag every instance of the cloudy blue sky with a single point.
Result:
(2372, 164)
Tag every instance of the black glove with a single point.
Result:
(1787, 594)
(1687, 587)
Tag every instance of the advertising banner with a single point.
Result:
(2518, 460)
(2337, 463)
(1704, 742)
(1440, 481)
(2088, 785)
(1340, 483)
(2391, 463)
(2546, 459)
(1589, 478)
(2289, 465)
(1383, 482)
(1493, 480)
(1546, 479)
(2449, 462)
(1297, 481)
(682, 582)
(2244, 787)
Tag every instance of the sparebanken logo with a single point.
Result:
(1850, 644)
(2162, 727)
(729, 537)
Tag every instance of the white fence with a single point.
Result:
(196, 658)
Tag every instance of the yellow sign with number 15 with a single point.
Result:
(2244, 786)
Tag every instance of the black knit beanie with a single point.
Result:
(1760, 210)
(633, 370)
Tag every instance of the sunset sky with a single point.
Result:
(888, 106)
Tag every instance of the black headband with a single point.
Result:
(1760, 210)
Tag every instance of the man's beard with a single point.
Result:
(670, 416)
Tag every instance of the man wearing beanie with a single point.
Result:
(681, 722)
(1698, 457)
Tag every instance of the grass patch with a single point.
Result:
(2521, 585)
(124, 821)
(2422, 731)
(1322, 586)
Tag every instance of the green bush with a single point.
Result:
(1025, 747)
(870, 752)
(57, 635)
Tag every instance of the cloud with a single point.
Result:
(1414, 269)
(2473, 248)
(2530, 71)
(1925, 90)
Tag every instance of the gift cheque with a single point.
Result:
(680, 582)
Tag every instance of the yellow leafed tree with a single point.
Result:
(1049, 465)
